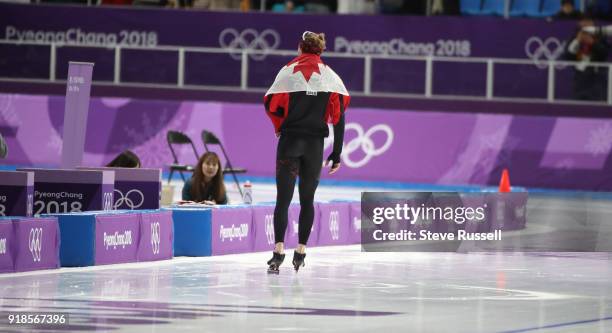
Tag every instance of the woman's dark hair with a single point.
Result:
(312, 42)
(218, 187)
(127, 159)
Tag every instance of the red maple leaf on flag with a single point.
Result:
(307, 64)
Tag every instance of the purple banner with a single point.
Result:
(135, 188)
(538, 40)
(263, 219)
(16, 193)
(37, 243)
(137, 195)
(66, 191)
(156, 236)
(410, 146)
(313, 240)
(355, 223)
(393, 35)
(334, 223)
(117, 237)
(263, 226)
(232, 230)
(7, 240)
(75, 114)
(291, 236)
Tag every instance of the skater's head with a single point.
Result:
(208, 173)
(312, 43)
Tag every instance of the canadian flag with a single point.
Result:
(307, 73)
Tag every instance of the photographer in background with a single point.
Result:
(568, 11)
(588, 46)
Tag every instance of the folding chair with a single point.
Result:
(179, 138)
(209, 138)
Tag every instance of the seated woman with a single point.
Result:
(206, 185)
(127, 159)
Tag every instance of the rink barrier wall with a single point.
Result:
(122, 236)
(112, 237)
(234, 229)
(7, 238)
(263, 227)
(156, 236)
(16, 193)
(29, 243)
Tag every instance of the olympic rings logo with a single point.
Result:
(357, 223)
(249, 40)
(132, 199)
(35, 243)
(269, 227)
(155, 237)
(334, 224)
(364, 142)
(542, 51)
(107, 201)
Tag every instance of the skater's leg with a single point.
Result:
(309, 180)
(298, 260)
(279, 247)
(310, 171)
(275, 262)
(286, 173)
(287, 168)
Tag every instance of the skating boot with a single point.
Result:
(275, 262)
(298, 260)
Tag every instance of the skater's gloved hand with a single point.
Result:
(334, 160)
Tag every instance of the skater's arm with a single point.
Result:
(338, 140)
(338, 103)
(276, 108)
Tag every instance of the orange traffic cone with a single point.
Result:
(504, 182)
